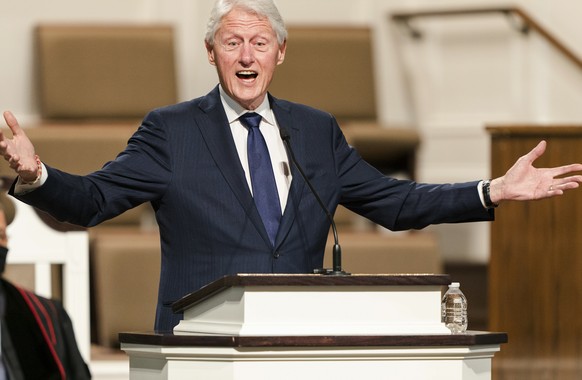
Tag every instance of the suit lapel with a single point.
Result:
(285, 120)
(218, 137)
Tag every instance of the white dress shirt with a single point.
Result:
(270, 131)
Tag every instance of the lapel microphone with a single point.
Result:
(337, 250)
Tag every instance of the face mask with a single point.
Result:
(3, 255)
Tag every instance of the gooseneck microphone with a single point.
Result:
(337, 250)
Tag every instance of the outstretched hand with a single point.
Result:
(18, 151)
(525, 182)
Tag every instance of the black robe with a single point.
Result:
(38, 341)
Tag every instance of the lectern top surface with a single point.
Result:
(312, 280)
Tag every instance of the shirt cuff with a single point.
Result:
(23, 188)
(479, 191)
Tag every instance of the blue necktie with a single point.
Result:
(262, 178)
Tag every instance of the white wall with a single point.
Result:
(465, 73)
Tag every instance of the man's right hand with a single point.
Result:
(18, 151)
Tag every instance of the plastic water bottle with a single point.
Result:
(454, 309)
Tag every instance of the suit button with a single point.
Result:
(276, 254)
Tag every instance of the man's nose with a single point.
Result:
(247, 55)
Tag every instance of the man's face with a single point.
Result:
(245, 53)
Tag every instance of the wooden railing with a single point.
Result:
(527, 23)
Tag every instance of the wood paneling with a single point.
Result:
(535, 280)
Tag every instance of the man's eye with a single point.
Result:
(261, 45)
(231, 45)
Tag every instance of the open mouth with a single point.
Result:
(247, 74)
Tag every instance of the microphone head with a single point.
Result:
(284, 134)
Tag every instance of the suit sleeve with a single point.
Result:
(138, 174)
(402, 204)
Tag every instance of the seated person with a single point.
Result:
(37, 337)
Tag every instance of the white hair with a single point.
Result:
(266, 8)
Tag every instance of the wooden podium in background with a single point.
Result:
(313, 327)
(535, 283)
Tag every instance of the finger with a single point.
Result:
(568, 185)
(536, 152)
(12, 123)
(573, 178)
(2, 139)
(565, 169)
(558, 188)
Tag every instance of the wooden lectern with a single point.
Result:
(536, 260)
(313, 327)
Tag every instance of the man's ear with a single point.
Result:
(210, 52)
(282, 50)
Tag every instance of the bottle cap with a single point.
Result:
(455, 285)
